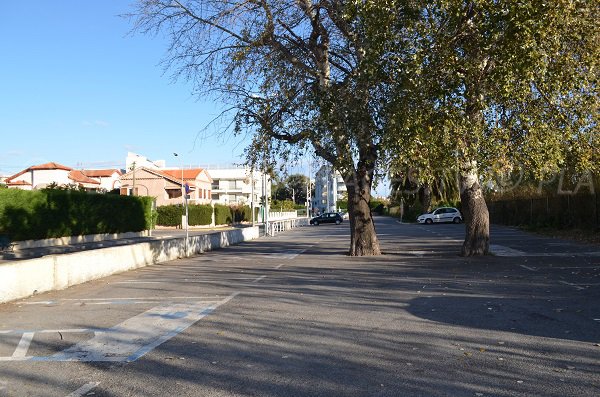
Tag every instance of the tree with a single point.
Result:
(501, 83)
(297, 74)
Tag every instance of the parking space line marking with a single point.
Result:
(533, 269)
(162, 298)
(256, 280)
(23, 346)
(130, 339)
(279, 266)
(84, 389)
(571, 285)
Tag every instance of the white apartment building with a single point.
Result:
(329, 188)
(238, 186)
(135, 160)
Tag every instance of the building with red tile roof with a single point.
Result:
(48, 174)
(167, 185)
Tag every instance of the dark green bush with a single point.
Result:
(223, 215)
(200, 214)
(40, 214)
(241, 213)
(169, 215)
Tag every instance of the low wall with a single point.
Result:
(90, 238)
(19, 279)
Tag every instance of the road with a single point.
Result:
(292, 315)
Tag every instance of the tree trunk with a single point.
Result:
(426, 197)
(363, 238)
(475, 213)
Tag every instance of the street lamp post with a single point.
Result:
(185, 204)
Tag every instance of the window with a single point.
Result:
(173, 193)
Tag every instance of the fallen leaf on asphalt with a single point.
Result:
(481, 349)
(467, 354)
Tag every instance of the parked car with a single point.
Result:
(327, 217)
(440, 215)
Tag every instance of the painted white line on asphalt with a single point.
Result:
(571, 285)
(144, 350)
(50, 331)
(84, 389)
(23, 346)
(131, 339)
(501, 250)
(533, 269)
(573, 267)
(163, 298)
(256, 280)
(38, 303)
(279, 266)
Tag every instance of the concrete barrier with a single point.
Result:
(20, 279)
(89, 238)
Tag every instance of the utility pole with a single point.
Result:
(252, 197)
(308, 193)
(185, 204)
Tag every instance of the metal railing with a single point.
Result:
(283, 225)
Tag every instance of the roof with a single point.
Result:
(80, 177)
(101, 173)
(159, 173)
(49, 166)
(46, 166)
(188, 174)
(18, 183)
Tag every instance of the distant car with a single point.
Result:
(441, 215)
(328, 217)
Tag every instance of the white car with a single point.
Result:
(440, 215)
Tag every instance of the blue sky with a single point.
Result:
(78, 89)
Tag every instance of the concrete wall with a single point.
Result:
(89, 238)
(19, 279)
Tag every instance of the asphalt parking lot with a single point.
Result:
(293, 315)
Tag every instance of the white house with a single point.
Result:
(44, 175)
(329, 188)
(238, 186)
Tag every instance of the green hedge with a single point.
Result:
(169, 215)
(223, 215)
(200, 214)
(49, 213)
(242, 213)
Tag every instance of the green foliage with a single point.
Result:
(241, 214)
(559, 212)
(51, 213)
(284, 205)
(223, 215)
(169, 215)
(378, 206)
(342, 204)
(502, 83)
(200, 214)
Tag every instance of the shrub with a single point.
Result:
(223, 215)
(41, 214)
(169, 215)
(200, 214)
